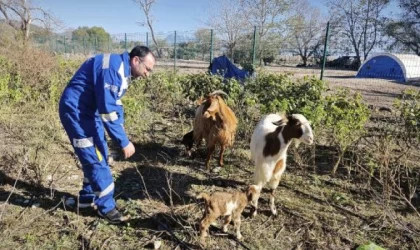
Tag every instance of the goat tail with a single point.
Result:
(204, 196)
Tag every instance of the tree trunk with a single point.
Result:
(159, 53)
(305, 60)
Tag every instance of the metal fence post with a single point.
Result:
(147, 39)
(108, 46)
(125, 41)
(175, 51)
(325, 51)
(84, 45)
(96, 45)
(254, 45)
(64, 42)
(211, 45)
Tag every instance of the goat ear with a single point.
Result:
(200, 101)
(293, 121)
(279, 123)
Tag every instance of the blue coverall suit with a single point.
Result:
(90, 102)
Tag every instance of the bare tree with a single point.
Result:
(305, 30)
(229, 22)
(203, 37)
(146, 6)
(406, 30)
(360, 22)
(20, 14)
(266, 16)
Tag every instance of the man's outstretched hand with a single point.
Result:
(129, 150)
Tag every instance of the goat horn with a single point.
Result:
(219, 92)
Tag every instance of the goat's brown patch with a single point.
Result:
(292, 130)
(272, 143)
(251, 192)
(279, 167)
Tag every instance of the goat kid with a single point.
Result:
(269, 143)
(229, 205)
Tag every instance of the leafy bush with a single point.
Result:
(12, 89)
(136, 109)
(345, 122)
(248, 67)
(163, 90)
(409, 108)
(279, 92)
(198, 85)
(33, 77)
(268, 60)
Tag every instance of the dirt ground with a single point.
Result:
(156, 188)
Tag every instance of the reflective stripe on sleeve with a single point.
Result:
(105, 61)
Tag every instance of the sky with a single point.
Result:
(124, 16)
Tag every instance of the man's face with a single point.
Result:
(142, 67)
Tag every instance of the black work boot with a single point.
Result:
(113, 216)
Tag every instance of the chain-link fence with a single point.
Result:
(311, 48)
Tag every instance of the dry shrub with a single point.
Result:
(34, 66)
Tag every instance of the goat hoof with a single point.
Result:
(216, 170)
(203, 242)
(274, 212)
(254, 214)
(225, 229)
(239, 237)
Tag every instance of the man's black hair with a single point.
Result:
(140, 51)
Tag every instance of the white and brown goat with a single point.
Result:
(229, 205)
(216, 123)
(269, 143)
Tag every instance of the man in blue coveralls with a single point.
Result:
(90, 102)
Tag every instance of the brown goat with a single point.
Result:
(216, 123)
(229, 205)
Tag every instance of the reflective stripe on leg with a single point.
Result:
(106, 191)
(102, 184)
